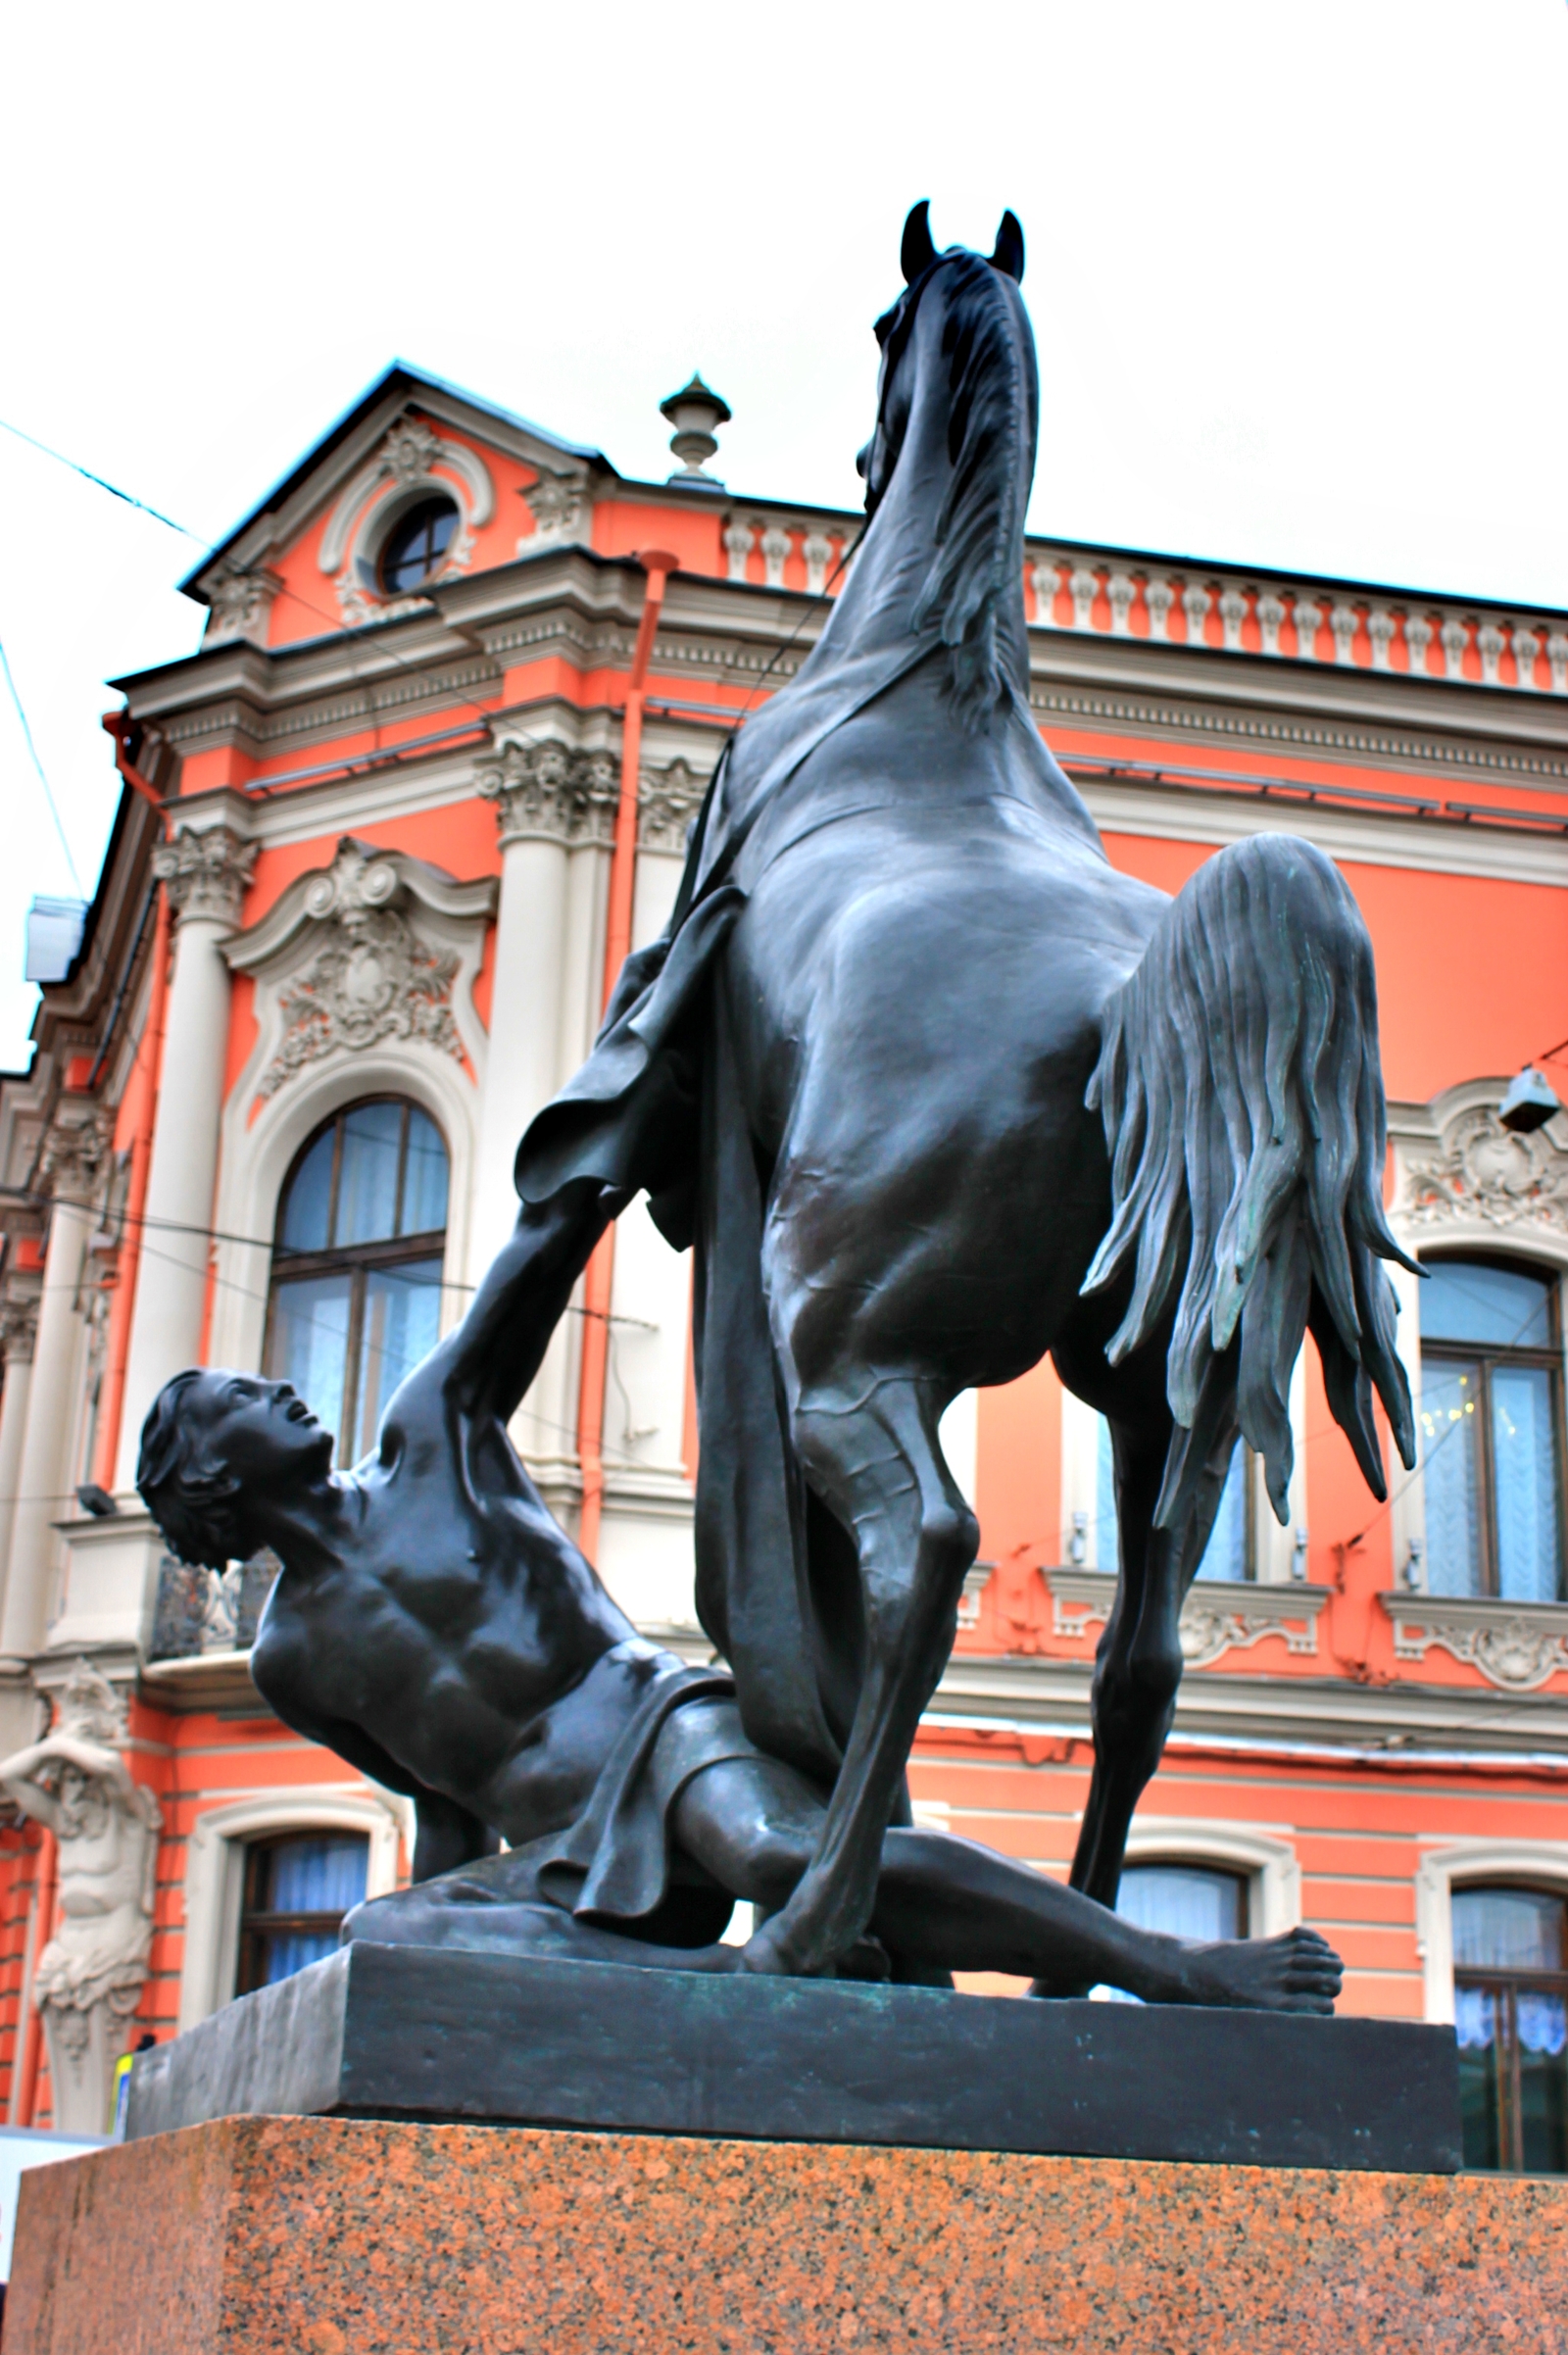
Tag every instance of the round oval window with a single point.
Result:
(417, 544)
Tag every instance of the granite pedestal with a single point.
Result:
(382, 2156)
(341, 2236)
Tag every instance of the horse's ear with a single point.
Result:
(1009, 254)
(917, 252)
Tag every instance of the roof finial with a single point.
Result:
(694, 411)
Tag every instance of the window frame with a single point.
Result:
(1483, 1354)
(429, 500)
(357, 1261)
(1508, 1985)
(256, 1924)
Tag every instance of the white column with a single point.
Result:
(19, 1332)
(553, 804)
(71, 1163)
(205, 875)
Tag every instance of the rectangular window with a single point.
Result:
(1491, 1432)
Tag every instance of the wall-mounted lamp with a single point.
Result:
(1529, 1103)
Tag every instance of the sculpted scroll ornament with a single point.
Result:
(557, 504)
(1482, 1171)
(373, 979)
(90, 1977)
(1517, 1649)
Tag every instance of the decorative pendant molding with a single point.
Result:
(561, 507)
(73, 1156)
(1517, 1645)
(372, 948)
(240, 604)
(1218, 1616)
(546, 790)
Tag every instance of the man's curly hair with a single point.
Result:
(185, 1486)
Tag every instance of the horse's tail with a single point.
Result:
(1242, 1103)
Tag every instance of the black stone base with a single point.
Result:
(399, 2031)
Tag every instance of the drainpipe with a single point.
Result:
(141, 1149)
(657, 563)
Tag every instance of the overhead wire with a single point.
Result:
(33, 753)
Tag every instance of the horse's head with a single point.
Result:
(957, 403)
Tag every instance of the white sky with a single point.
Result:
(1295, 271)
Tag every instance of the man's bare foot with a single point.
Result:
(1299, 1972)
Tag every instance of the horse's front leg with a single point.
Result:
(877, 1465)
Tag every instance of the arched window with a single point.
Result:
(1510, 2004)
(297, 1891)
(356, 1297)
(1491, 1430)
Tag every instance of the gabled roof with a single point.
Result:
(400, 378)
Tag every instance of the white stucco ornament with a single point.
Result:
(90, 1975)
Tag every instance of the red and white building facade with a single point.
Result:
(350, 934)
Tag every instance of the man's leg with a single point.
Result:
(952, 1905)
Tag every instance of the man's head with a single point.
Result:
(216, 1449)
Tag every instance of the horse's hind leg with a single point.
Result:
(1138, 1664)
(875, 1462)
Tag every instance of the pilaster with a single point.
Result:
(205, 875)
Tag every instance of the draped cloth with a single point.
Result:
(657, 1106)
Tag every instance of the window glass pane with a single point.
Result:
(1182, 1900)
(310, 1344)
(1478, 2014)
(322, 1874)
(1523, 1461)
(368, 1182)
(1500, 1307)
(279, 1953)
(1225, 1555)
(1507, 1929)
(402, 1324)
(1542, 2019)
(424, 1178)
(309, 1200)
(1450, 1459)
(1104, 1550)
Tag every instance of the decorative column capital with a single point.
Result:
(669, 801)
(206, 873)
(547, 791)
(19, 1329)
(72, 1156)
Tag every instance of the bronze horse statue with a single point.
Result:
(934, 1090)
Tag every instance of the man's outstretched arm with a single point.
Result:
(498, 1348)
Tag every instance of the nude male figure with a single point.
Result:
(435, 1626)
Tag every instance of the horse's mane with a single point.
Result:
(995, 403)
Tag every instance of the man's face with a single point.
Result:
(263, 1431)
